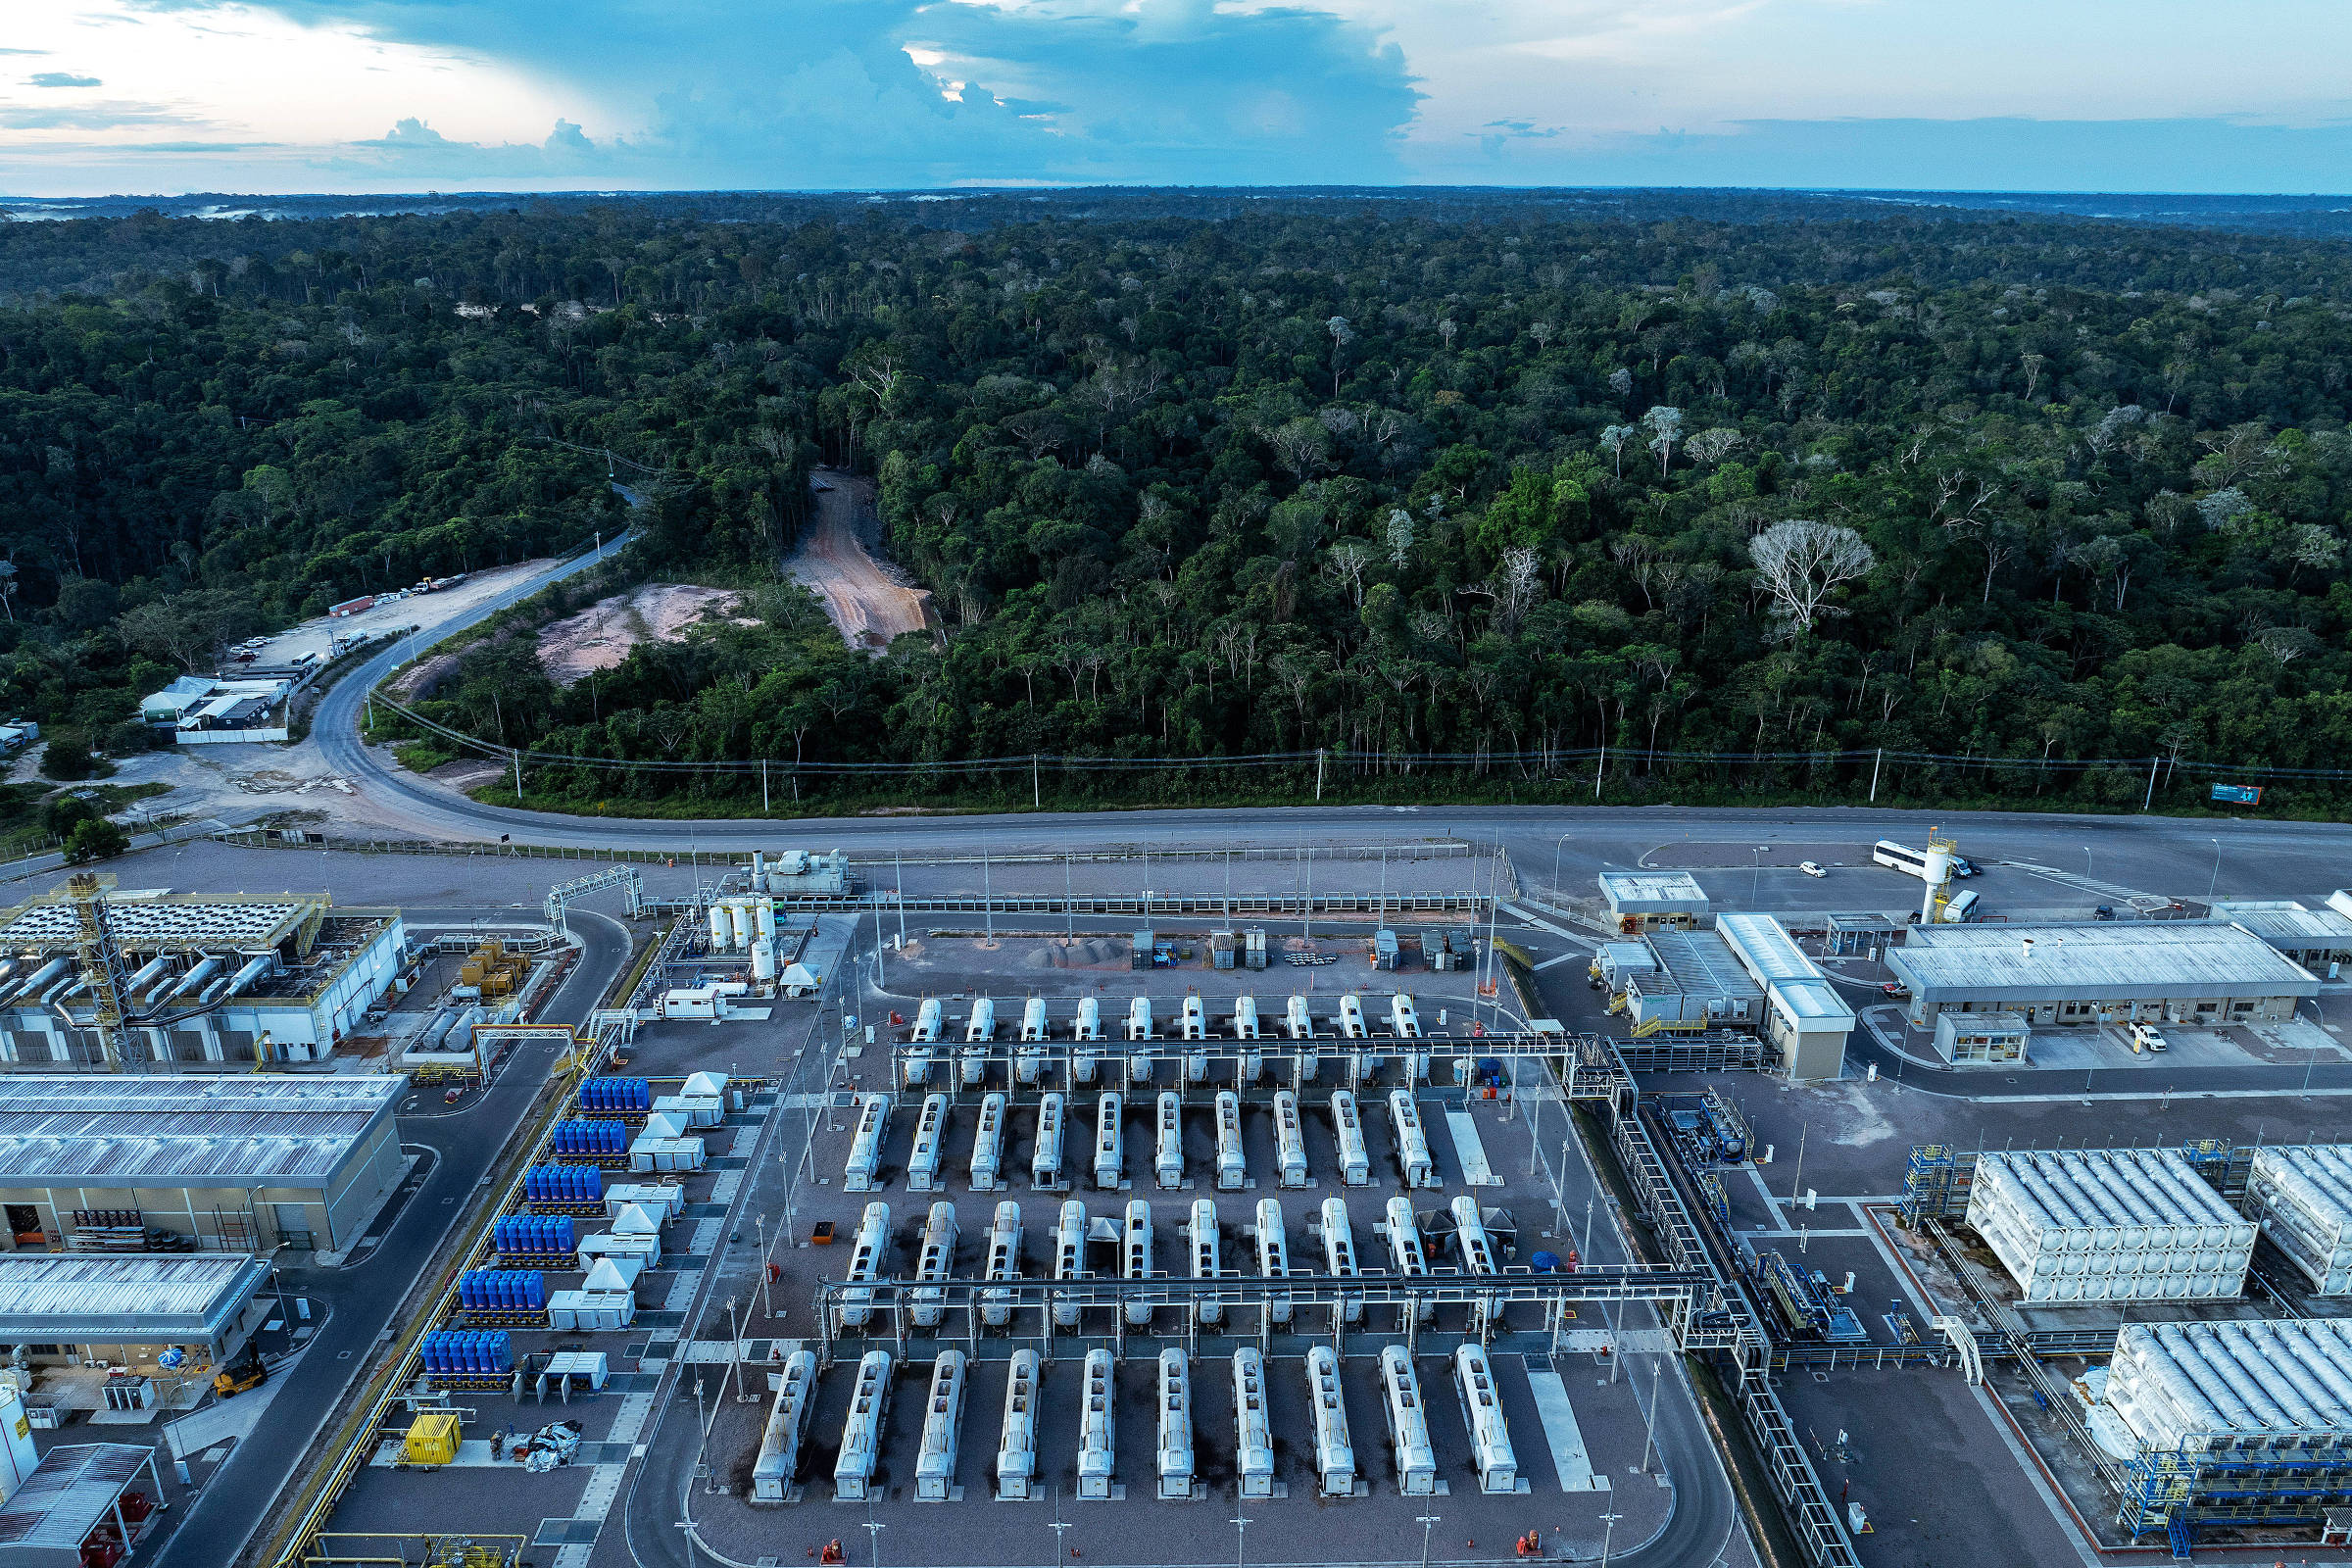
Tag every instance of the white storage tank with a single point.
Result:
(2301, 1196)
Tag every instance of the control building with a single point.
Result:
(1651, 901)
(1803, 1014)
(2170, 971)
(241, 1164)
(2317, 939)
(124, 1310)
(275, 977)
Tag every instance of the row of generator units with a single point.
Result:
(1050, 1160)
(1397, 1018)
(2094, 1225)
(1176, 1469)
(1473, 1240)
(660, 1142)
(702, 1101)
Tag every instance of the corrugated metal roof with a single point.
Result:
(47, 923)
(67, 1494)
(67, 1129)
(2287, 925)
(1814, 1000)
(2173, 958)
(1767, 947)
(1700, 963)
(65, 1297)
(1624, 888)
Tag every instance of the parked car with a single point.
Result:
(1894, 988)
(2146, 1037)
(1810, 870)
(2104, 911)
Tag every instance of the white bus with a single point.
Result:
(1913, 862)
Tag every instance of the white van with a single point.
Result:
(1962, 905)
(2146, 1037)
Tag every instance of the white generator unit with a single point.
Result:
(1110, 1146)
(1175, 1427)
(1016, 1444)
(1200, 1235)
(1252, 1428)
(863, 1171)
(866, 1251)
(1134, 1260)
(935, 1265)
(1273, 1258)
(1412, 1140)
(1482, 1414)
(1339, 1254)
(1096, 1433)
(930, 1138)
(988, 1145)
(1356, 1159)
(943, 1423)
(787, 1429)
(1290, 1141)
(1003, 1263)
(1069, 1259)
(1045, 1160)
(861, 1429)
(1335, 1455)
(2109, 1225)
(1233, 1167)
(1405, 1252)
(1167, 1155)
(1408, 1425)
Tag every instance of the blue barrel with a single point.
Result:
(1546, 1262)
(500, 1352)
(535, 1290)
(566, 1239)
(465, 1289)
(432, 1353)
(502, 1290)
(617, 1142)
(592, 1182)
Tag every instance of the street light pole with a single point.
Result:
(2214, 880)
(1555, 862)
(1428, 1521)
(1609, 1528)
(1239, 1530)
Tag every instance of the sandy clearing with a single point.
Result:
(868, 600)
(601, 636)
(313, 636)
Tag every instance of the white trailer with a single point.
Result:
(1273, 1256)
(1412, 1140)
(1097, 1432)
(866, 1252)
(1252, 1428)
(1110, 1146)
(1003, 1263)
(1233, 1167)
(935, 1264)
(787, 1429)
(1356, 1159)
(1290, 1141)
(1069, 1259)
(1408, 1424)
(1135, 1260)
(943, 1426)
(1167, 1159)
(1175, 1427)
(988, 1145)
(1339, 1254)
(1405, 1252)
(930, 1136)
(1481, 1413)
(1044, 1162)
(1016, 1445)
(861, 1430)
(1335, 1455)
(1201, 1234)
(862, 1174)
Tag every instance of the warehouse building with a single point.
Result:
(2317, 939)
(2181, 971)
(278, 977)
(126, 1310)
(2080, 1226)
(241, 1164)
(1651, 901)
(1695, 983)
(1804, 1017)
(2301, 1195)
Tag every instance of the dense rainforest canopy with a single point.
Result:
(1501, 480)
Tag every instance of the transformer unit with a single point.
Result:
(935, 1264)
(1403, 1020)
(1244, 1020)
(1355, 1159)
(988, 1145)
(1003, 1263)
(866, 1252)
(1233, 1167)
(1335, 1455)
(1016, 1447)
(942, 1422)
(1408, 1424)
(1201, 1234)
(1167, 1159)
(1069, 1259)
(1412, 1141)
(1192, 1022)
(926, 1032)
(1273, 1256)
(1482, 1414)
(862, 1431)
(1096, 1433)
(865, 1144)
(1110, 1149)
(787, 1429)
(1175, 1427)
(1044, 1162)
(1339, 1254)
(1139, 1024)
(930, 1133)
(1404, 1252)
(1297, 1022)
(1253, 1430)
(1135, 1260)
(1290, 1141)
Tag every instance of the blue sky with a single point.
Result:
(103, 96)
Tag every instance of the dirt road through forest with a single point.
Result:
(868, 598)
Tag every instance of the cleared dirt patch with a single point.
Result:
(601, 636)
(868, 600)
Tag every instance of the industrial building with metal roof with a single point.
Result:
(123, 1309)
(2172, 971)
(1651, 899)
(1803, 1014)
(274, 977)
(247, 1162)
(67, 1496)
(2312, 938)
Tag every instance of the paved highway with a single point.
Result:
(364, 1296)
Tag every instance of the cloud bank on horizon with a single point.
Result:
(102, 96)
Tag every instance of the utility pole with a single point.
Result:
(2150, 803)
(519, 775)
(1874, 774)
(1036, 799)
(988, 898)
(1320, 754)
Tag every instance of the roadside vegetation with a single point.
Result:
(1419, 502)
